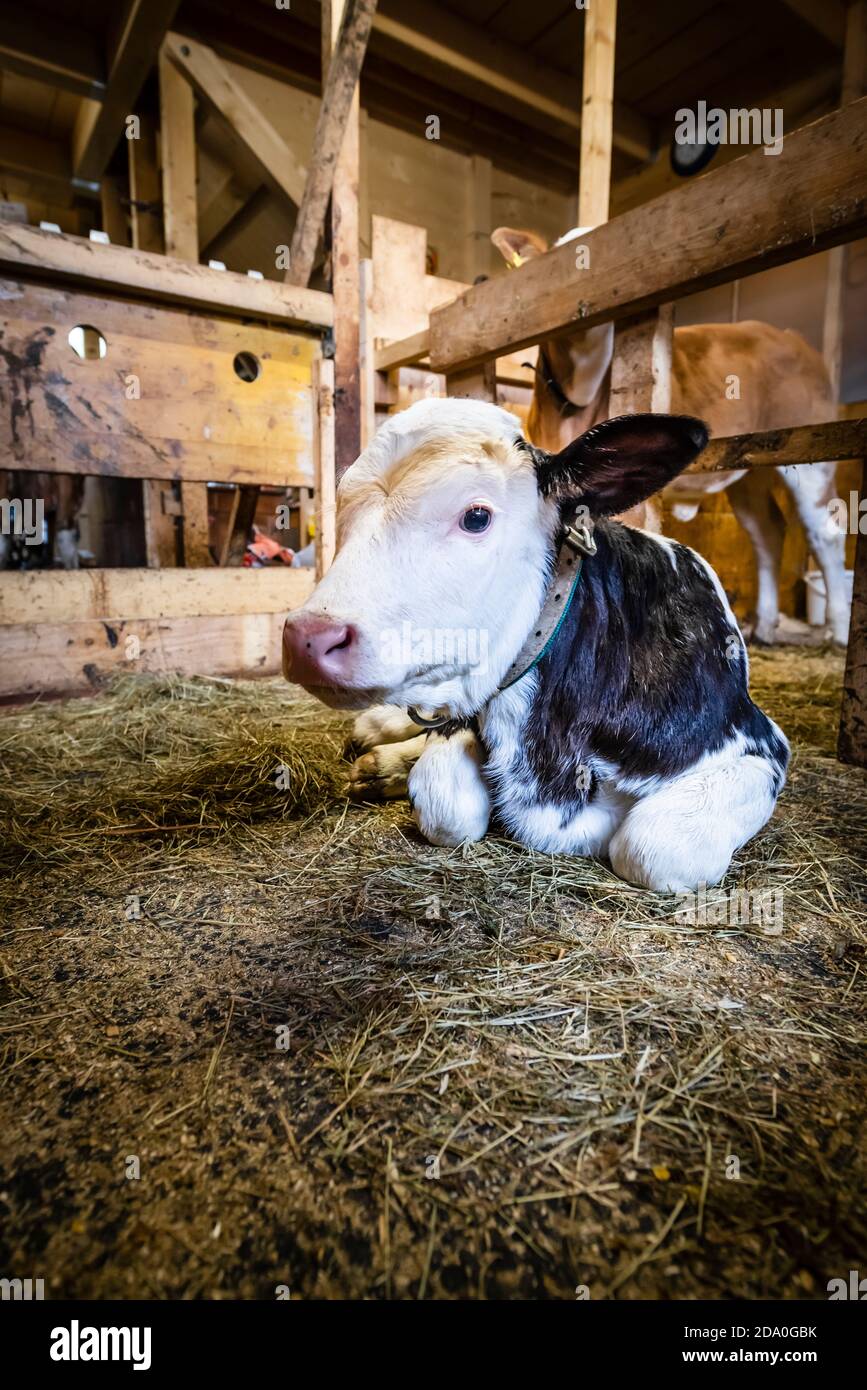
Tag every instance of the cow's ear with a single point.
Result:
(620, 462)
(516, 246)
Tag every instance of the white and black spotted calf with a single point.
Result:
(633, 737)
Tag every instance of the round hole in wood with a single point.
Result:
(87, 342)
(247, 366)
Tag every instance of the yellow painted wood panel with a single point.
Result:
(165, 400)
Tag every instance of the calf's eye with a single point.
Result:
(475, 519)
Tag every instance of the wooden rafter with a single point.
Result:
(511, 80)
(59, 53)
(250, 132)
(99, 125)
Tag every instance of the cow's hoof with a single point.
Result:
(378, 776)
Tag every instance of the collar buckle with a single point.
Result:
(581, 538)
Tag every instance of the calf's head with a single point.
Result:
(446, 529)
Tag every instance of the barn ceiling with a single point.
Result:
(503, 75)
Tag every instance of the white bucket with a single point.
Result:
(816, 600)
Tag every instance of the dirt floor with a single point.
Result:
(254, 1039)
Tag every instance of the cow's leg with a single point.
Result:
(753, 504)
(450, 801)
(381, 773)
(382, 724)
(812, 487)
(685, 834)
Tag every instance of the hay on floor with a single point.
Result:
(255, 1036)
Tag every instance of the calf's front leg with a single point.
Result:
(449, 798)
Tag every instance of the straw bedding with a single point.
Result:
(255, 1039)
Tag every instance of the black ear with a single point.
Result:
(620, 462)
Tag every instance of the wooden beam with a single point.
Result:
(256, 140)
(597, 113)
(404, 353)
(345, 31)
(59, 596)
(827, 18)
(325, 466)
(37, 159)
(178, 148)
(836, 439)
(852, 741)
(339, 94)
(140, 30)
(512, 81)
(38, 658)
(52, 51)
(45, 255)
(752, 214)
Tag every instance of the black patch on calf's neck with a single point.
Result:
(639, 676)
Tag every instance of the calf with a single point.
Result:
(589, 680)
(739, 378)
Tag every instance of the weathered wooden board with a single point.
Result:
(55, 596)
(51, 658)
(756, 212)
(164, 402)
(835, 439)
(143, 274)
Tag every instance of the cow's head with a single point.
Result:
(446, 527)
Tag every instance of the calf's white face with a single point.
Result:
(442, 544)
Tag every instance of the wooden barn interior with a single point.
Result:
(234, 240)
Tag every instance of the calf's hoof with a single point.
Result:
(377, 776)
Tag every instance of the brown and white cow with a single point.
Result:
(781, 382)
(589, 679)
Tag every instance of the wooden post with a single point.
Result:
(324, 476)
(641, 381)
(597, 113)
(476, 383)
(641, 366)
(345, 273)
(852, 87)
(145, 190)
(178, 148)
(346, 28)
(852, 742)
(160, 503)
(480, 228)
(366, 366)
(181, 234)
(114, 219)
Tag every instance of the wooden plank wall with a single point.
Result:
(165, 400)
